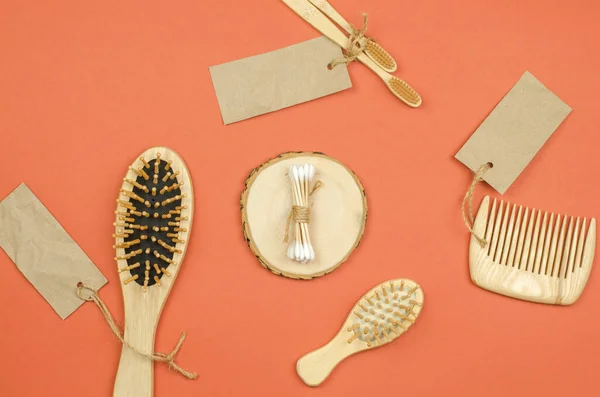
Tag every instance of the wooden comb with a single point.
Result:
(381, 316)
(153, 223)
(530, 254)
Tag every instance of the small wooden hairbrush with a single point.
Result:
(531, 255)
(381, 316)
(153, 223)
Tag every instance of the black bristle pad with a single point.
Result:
(151, 222)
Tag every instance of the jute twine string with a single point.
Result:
(467, 213)
(354, 47)
(300, 214)
(168, 359)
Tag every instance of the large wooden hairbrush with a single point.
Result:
(381, 316)
(153, 224)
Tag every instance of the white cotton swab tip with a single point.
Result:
(306, 251)
(307, 172)
(297, 251)
(302, 254)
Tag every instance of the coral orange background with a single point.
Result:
(87, 85)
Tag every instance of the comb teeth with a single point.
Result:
(383, 315)
(535, 241)
(150, 238)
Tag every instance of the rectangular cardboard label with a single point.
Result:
(268, 82)
(514, 132)
(44, 252)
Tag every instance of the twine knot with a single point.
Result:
(354, 47)
(300, 214)
(169, 359)
(468, 218)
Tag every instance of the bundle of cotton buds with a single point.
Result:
(300, 248)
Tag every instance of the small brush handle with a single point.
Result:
(332, 13)
(135, 376)
(315, 367)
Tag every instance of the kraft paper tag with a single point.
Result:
(265, 83)
(44, 252)
(514, 132)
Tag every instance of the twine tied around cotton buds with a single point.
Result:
(300, 248)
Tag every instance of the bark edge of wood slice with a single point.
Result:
(264, 221)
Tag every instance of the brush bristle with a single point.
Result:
(381, 56)
(385, 314)
(149, 222)
(404, 92)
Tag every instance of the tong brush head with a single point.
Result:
(384, 313)
(530, 254)
(380, 56)
(404, 92)
(152, 220)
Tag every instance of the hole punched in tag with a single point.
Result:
(81, 287)
(467, 213)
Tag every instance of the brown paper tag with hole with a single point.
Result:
(44, 252)
(279, 79)
(514, 132)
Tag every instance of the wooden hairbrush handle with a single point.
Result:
(316, 366)
(135, 376)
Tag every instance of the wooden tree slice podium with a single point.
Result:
(338, 214)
